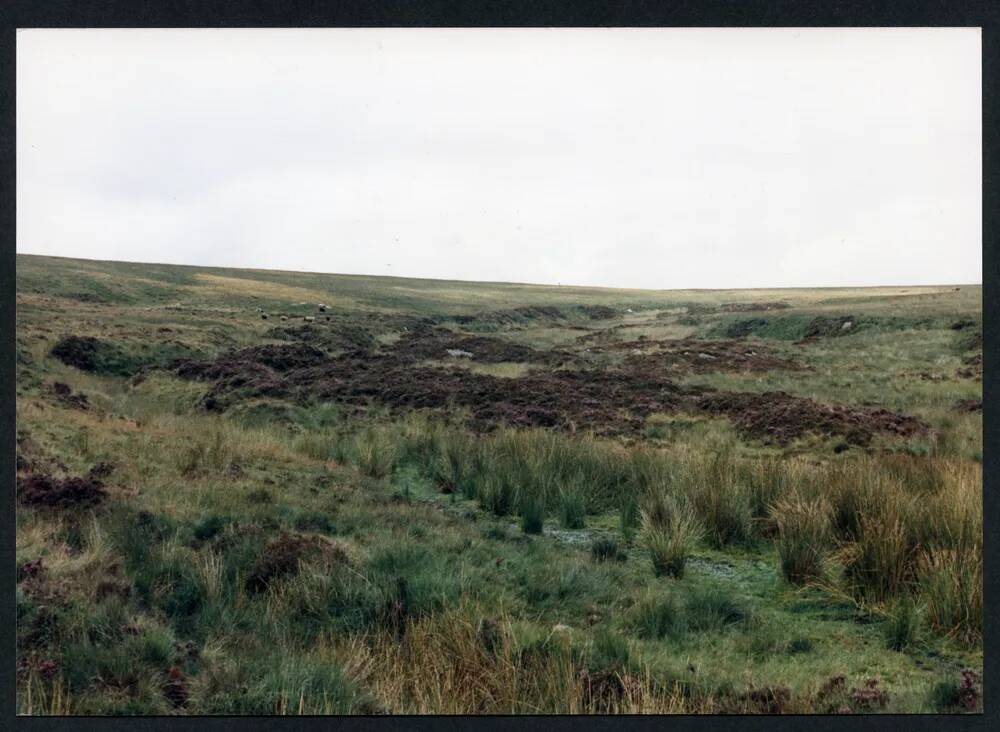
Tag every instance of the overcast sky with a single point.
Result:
(631, 158)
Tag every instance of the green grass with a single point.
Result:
(311, 558)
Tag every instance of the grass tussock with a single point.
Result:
(903, 625)
(669, 532)
(532, 514)
(572, 509)
(476, 665)
(376, 453)
(803, 539)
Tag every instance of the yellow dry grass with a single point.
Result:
(229, 286)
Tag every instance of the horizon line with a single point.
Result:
(496, 282)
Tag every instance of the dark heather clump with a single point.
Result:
(605, 689)
(280, 558)
(598, 312)
(762, 700)
(247, 361)
(281, 357)
(82, 352)
(65, 396)
(745, 327)
(973, 368)
(38, 489)
(969, 690)
(330, 336)
(107, 358)
(824, 327)
(101, 470)
(175, 688)
(779, 417)
(605, 401)
(969, 405)
(750, 307)
(507, 318)
(869, 697)
(31, 457)
(30, 569)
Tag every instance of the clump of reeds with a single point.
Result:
(669, 531)
(803, 537)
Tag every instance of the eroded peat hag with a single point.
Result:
(38, 489)
(780, 418)
(607, 401)
(603, 401)
(463, 498)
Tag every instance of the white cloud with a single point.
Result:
(635, 158)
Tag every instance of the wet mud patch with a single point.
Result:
(778, 417)
(40, 489)
(718, 569)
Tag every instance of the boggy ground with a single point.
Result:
(222, 514)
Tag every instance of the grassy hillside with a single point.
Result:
(454, 497)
